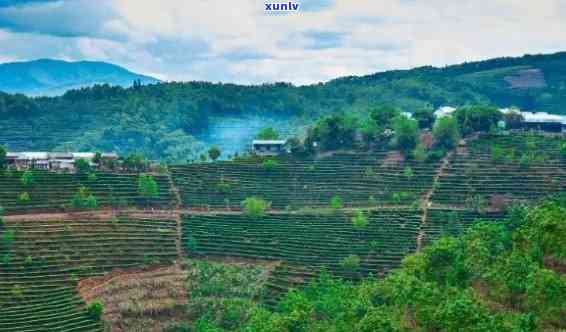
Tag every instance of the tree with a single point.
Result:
(513, 120)
(24, 198)
(214, 153)
(477, 118)
(135, 162)
(255, 207)
(360, 221)
(84, 200)
(424, 116)
(82, 166)
(95, 310)
(97, 158)
(445, 132)
(406, 133)
(408, 173)
(3, 161)
(91, 202)
(332, 132)
(350, 263)
(267, 134)
(563, 151)
(270, 164)
(336, 202)
(383, 116)
(147, 188)
(27, 178)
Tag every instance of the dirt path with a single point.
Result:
(426, 203)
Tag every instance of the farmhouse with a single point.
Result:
(52, 160)
(268, 147)
(543, 121)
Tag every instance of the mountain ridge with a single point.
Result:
(52, 77)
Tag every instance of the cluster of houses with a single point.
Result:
(55, 161)
(537, 121)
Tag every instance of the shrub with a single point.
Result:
(82, 166)
(255, 207)
(223, 187)
(24, 198)
(147, 188)
(83, 200)
(95, 309)
(270, 164)
(3, 154)
(350, 263)
(359, 220)
(267, 134)
(336, 202)
(214, 153)
(477, 203)
(408, 173)
(27, 178)
(91, 203)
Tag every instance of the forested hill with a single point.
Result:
(162, 120)
(49, 77)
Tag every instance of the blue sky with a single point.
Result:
(236, 41)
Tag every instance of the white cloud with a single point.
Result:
(236, 41)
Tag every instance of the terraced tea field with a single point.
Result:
(500, 169)
(360, 181)
(53, 191)
(42, 261)
(311, 241)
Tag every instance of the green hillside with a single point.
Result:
(170, 121)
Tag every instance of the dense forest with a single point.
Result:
(162, 120)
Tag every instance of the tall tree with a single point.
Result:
(406, 133)
(147, 188)
(446, 133)
(3, 161)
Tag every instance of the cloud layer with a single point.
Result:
(236, 41)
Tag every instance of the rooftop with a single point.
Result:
(269, 142)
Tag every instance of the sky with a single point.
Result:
(238, 41)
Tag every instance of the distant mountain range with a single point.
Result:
(49, 77)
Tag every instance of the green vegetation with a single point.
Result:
(147, 188)
(336, 202)
(84, 200)
(222, 294)
(406, 133)
(270, 164)
(496, 277)
(214, 153)
(162, 120)
(95, 309)
(3, 162)
(27, 178)
(359, 220)
(53, 191)
(82, 166)
(477, 118)
(268, 134)
(255, 207)
(446, 134)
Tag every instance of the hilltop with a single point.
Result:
(49, 77)
(176, 121)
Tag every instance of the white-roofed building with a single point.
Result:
(268, 147)
(52, 160)
(444, 111)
